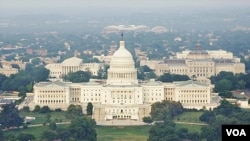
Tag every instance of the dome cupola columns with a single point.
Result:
(122, 69)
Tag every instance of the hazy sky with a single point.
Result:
(103, 3)
(17, 7)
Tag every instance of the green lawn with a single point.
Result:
(104, 133)
(41, 118)
(36, 131)
(122, 133)
(109, 133)
(191, 128)
(189, 117)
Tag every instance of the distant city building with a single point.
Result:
(8, 71)
(50, 60)
(201, 64)
(9, 64)
(39, 52)
(178, 39)
(119, 28)
(121, 96)
(140, 54)
(103, 58)
(73, 64)
(150, 63)
(159, 29)
(8, 67)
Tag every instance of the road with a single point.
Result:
(113, 124)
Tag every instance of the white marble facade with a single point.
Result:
(73, 64)
(121, 96)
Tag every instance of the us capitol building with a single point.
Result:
(121, 96)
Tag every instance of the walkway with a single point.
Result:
(126, 122)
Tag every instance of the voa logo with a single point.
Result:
(236, 132)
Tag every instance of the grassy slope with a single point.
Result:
(41, 118)
(189, 117)
(110, 133)
(121, 133)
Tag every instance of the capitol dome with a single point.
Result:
(122, 55)
(122, 67)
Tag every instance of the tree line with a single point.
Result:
(226, 113)
(225, 82)
(81, 127)
(165, 129)
(24, 79)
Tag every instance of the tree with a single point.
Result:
(48, 116)
(45, 109)
(247, 80)
(26, 109)
(241, 84)
(1, 135)
(29, 87)
(226, 81)
(35, 61)
(163, 132)
(208, 133)
(223, 85)
(58, 110)
(146, 68)
(147, 120)
(226, 108)
(49, 135)
(23, 80)
(150, 75)
(83, 128)
(37, 108)
(207, 116)
(2, 79)
(52, 125)
(25, 137)
(182, 133)
(212, 132)
(9, 116)
(79, 76)
(226, 94)
(167, 77)
(140, 73)
(74, 111)
(166, 110)
(89, 108)
(15, 66)
(22, 94)
(222, 75)
(244, 117)
(39, 73)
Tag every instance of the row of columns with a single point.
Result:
(122, 75)
(67, 69)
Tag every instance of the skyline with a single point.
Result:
(113, 3)
(39, 5)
